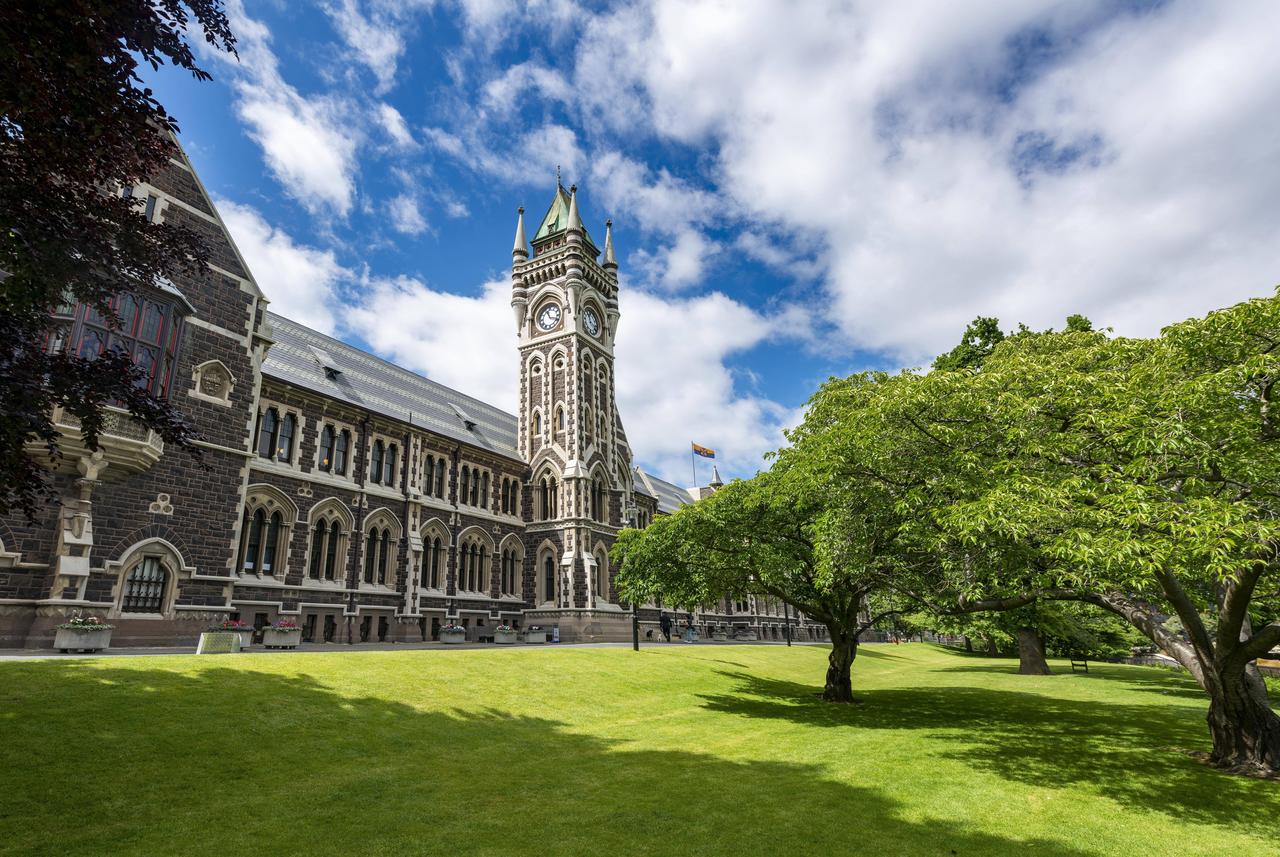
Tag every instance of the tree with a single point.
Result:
(1141, 476)
(773, 534)
(75, 128)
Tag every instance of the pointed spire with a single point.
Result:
(609, 258)
(521, 247)
(716, 481)
(575, 222)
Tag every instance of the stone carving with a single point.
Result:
(213, 382)
(161, 505)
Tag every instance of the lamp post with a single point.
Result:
(635, 626)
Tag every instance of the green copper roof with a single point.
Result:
(557, 218)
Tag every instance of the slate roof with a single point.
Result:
(556, 220)
(669, 495)
(309, 359)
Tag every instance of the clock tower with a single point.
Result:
(578, 495)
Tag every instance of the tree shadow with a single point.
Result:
(1135, 754)
(225, 761)
(1143, 679)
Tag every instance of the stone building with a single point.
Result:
(360, 499)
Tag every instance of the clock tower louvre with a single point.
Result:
(579, 494)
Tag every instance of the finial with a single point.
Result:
(716, 481)
(575, 222)
(521, 247)
(558, 176)
(609, 258)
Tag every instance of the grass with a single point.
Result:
(696, 750)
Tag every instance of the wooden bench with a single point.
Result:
(1079, 664)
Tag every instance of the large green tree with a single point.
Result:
(76, 126)
(1136, 475)
(774, 534)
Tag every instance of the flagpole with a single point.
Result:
(693, 466)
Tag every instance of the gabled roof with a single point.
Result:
(669, 495)
(310, 360)
(556, 219)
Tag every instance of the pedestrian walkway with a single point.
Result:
(318, 648)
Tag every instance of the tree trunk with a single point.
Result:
(844, 648)
(991, 647)
(1246, 732)
(1031, 653)
(968, 645)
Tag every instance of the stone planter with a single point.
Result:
(535, 636)
(719, 635)
(246, 638)
(69, 639)
(745, 636)
(219, 643)
(504, 638)
(453, 638)
(273, 638)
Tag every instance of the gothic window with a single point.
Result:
(440, 478)
(560, 424)
(384, 550)
(602, 576)
(326, 448)
(144, 587)
(330, 523)
(484, 491)
(482, 571)
(465, 483)
(318, 534)
(370, 555)
(273, 542)
(537, 424)
(256, 523)
(340, 452)
(375, 462)
(146, 328)
(505, 499)
(268, 429)
(389, 472)
(430, 476)
(475, 488)
(332, 549)
(432, 560)
(284, 444)
(548, 579)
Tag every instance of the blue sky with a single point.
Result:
(798, 190)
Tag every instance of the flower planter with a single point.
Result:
(68, 639)
(453, 638)
(745, 636)
(504, 638)
(219, 643)
(719, 635)
(274, 638)
(246, 638)
(535, 636)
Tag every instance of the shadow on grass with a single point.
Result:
(1145, 679)
(226, 761)
(1131, 753)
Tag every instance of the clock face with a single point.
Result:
(591, 322)
(549, 317)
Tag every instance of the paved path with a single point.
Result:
(143, 651)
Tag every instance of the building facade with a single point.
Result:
(363, 501)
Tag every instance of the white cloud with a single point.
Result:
(309, 143)
(301, 282)
(377, 41)
(393, 123)
(405, 216)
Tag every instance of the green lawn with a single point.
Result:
(693, 750)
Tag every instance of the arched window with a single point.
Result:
(254, 546)
(537, 424)
(268, 427)
(548, 579)
(430, 476)
(506, 496)
(482, 571)
(144, 587)
(340, 452)
(331, 551)
(284, 444)
(440, 478)
(318, 534)
(389, 473)
(437, 551)
(273, 541)
(484, 491)
(559, 419)
(375, 462)
(602, 577)
(465, 484)
(384, 550)
(370, 555)
(515, 497)
(326, 448)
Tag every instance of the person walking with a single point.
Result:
(664, 624)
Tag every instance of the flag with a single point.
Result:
(703, 451)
